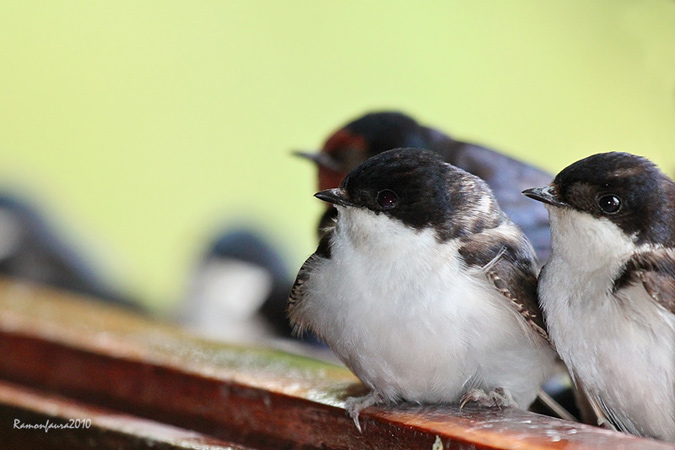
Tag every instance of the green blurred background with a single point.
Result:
(145, 127)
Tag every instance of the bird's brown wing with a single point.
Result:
(509, 264)
(299, 286)
(655, 270)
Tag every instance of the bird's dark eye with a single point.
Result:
(609, 203)
(387, 199)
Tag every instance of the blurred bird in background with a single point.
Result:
(31, 249)
(377, 132)
(238, 290)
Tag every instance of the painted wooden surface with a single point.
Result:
(57, 347)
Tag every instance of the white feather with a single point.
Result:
(223, 299)
(622, 349)
(401, 310)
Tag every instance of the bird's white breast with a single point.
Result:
(622, 347)
(411, 321)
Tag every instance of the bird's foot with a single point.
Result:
(355, 405)
(499, 398)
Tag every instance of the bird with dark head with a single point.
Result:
(32, 248)
(377, 132)
(424, 288)
(608, 290)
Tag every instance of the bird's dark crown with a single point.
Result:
(418, 188)
(627, 189)
(388, 130)
(377, 132)
(371, 134)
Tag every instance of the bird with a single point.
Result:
(34, 249)
(424, 288)
(376, 132)
(608, 289)
(238, 289)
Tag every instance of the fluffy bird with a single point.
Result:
(424, 288)
(374, 133)
(608, 290)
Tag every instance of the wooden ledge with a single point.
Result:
(96, 356)
(37, 420)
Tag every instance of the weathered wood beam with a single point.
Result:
(257, 397)
(33, 419)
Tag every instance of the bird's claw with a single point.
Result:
(499, 398)
(355, 405)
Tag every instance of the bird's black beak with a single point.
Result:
(320, 159)
(336, 196)
(545, 195)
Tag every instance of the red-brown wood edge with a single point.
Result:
(41, 420)
(61, 347)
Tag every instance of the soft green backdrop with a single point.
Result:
(144, 126)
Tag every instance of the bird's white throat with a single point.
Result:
(588, 243)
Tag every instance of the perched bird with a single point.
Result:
(376, 132)
(424, 288)
(238, 290)
(608, 290)
(31, 248)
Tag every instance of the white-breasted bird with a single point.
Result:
(425, 289)
(608, 289)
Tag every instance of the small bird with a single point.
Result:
(376, 132)
(32, 248)
(424, 288)
(238, 290)
(608, 289)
